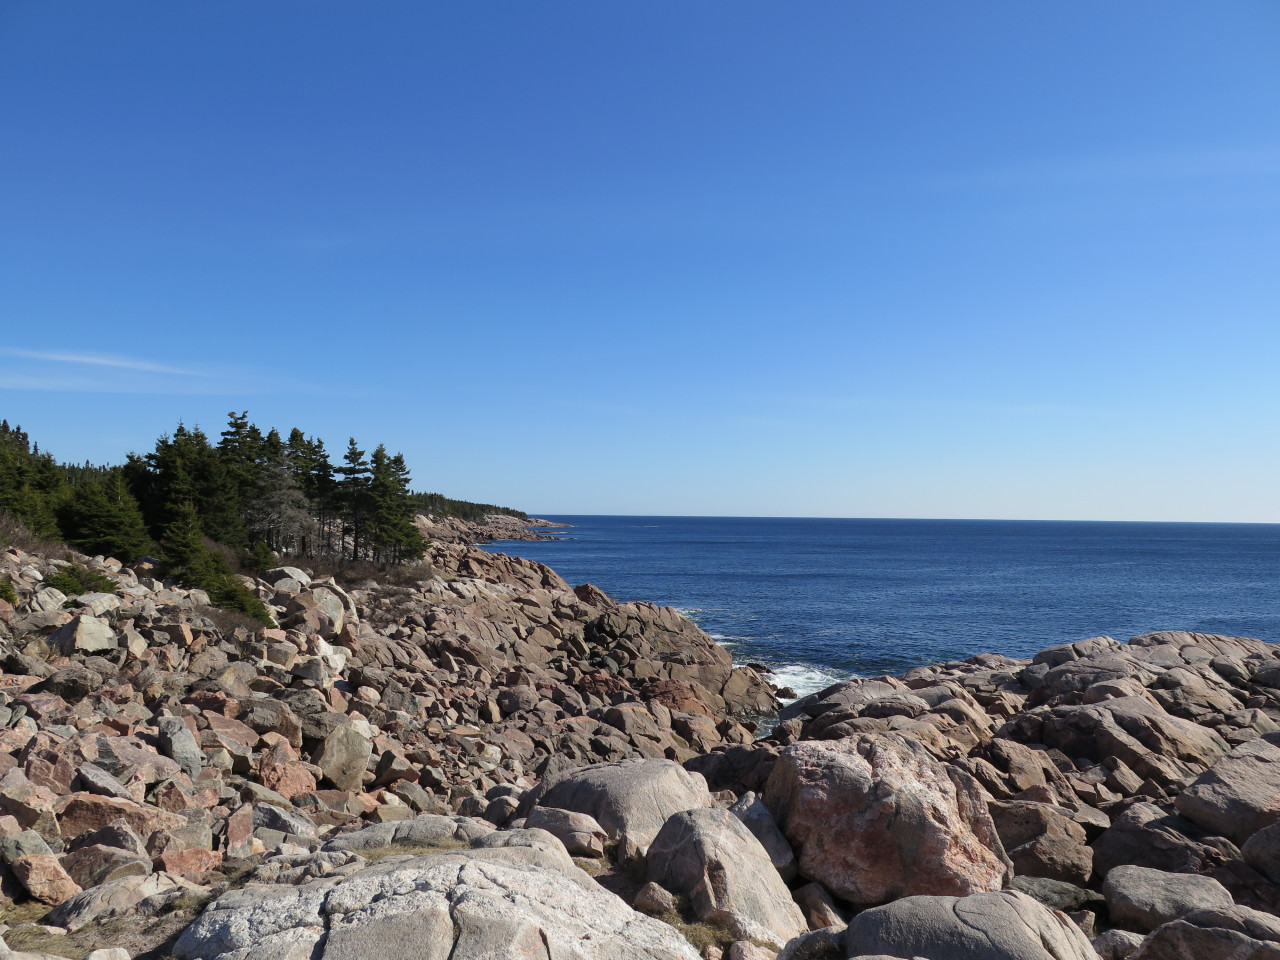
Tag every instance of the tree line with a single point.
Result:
(249, 495)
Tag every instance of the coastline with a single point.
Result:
(490, 713)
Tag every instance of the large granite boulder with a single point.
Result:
(712, 857)
(1228, 933)
(1043, 840)
(875, 818)
(630, 799)
(1238, 795)
(491, 902)
(985, 926)
(1142, 899)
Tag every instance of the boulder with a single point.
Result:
(1147, 835)
(44, 878)
(630, 799)
(984, 926)
(1142, 899)
(1228, 933)
(344, 755)
(179, 743)
(755, 816)
(875, 818)
(493, 902)
(1043, 840)
(128, 896)
(1238, 795)
(579, 832)
(83, 634)
(710, 856)
(1262, 852)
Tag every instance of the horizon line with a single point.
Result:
(725, 516)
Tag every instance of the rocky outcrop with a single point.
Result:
(399, 762)
(514, 899)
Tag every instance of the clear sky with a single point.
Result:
(982, 259)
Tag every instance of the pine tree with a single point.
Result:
(353, 492)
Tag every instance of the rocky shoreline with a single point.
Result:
(488, 762)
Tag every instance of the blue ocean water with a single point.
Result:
(820, 600)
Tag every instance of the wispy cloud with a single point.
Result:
(101, 360)
(93, 372)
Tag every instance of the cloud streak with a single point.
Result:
(101, 360)
(66, 372)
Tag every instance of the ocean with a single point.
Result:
(823, 600)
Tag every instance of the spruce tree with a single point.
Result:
(102, 517)
(353, 491)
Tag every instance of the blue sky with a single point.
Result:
(992, 259)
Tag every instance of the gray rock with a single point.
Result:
(451, 906)
(630, 799)
(343, 757)
(123, 897)
(1143, 899)
(1262, 852)
(1233, 933)
(750, 809)
(422, 831)
(93, 779)
(179, 744)
(730, 881)
(984, 926)
(83, 634)
(268, 816)
(26, 843)
(1238, 795)
(1117, 944)
(579, 832)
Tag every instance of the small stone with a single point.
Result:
(654, 899)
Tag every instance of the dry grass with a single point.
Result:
(14, 533)
(74, 946)
(444, 845)
(228, 620)
(349, 573)
(29, 911)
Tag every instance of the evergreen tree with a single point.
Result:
(353, 492)
(394, 536)
(104, 518)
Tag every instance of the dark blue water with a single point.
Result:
(823, 599)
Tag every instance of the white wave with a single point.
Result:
(806, 678)
(689, 613)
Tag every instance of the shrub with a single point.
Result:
(7, 592)
(226, 591)
(76, 579)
